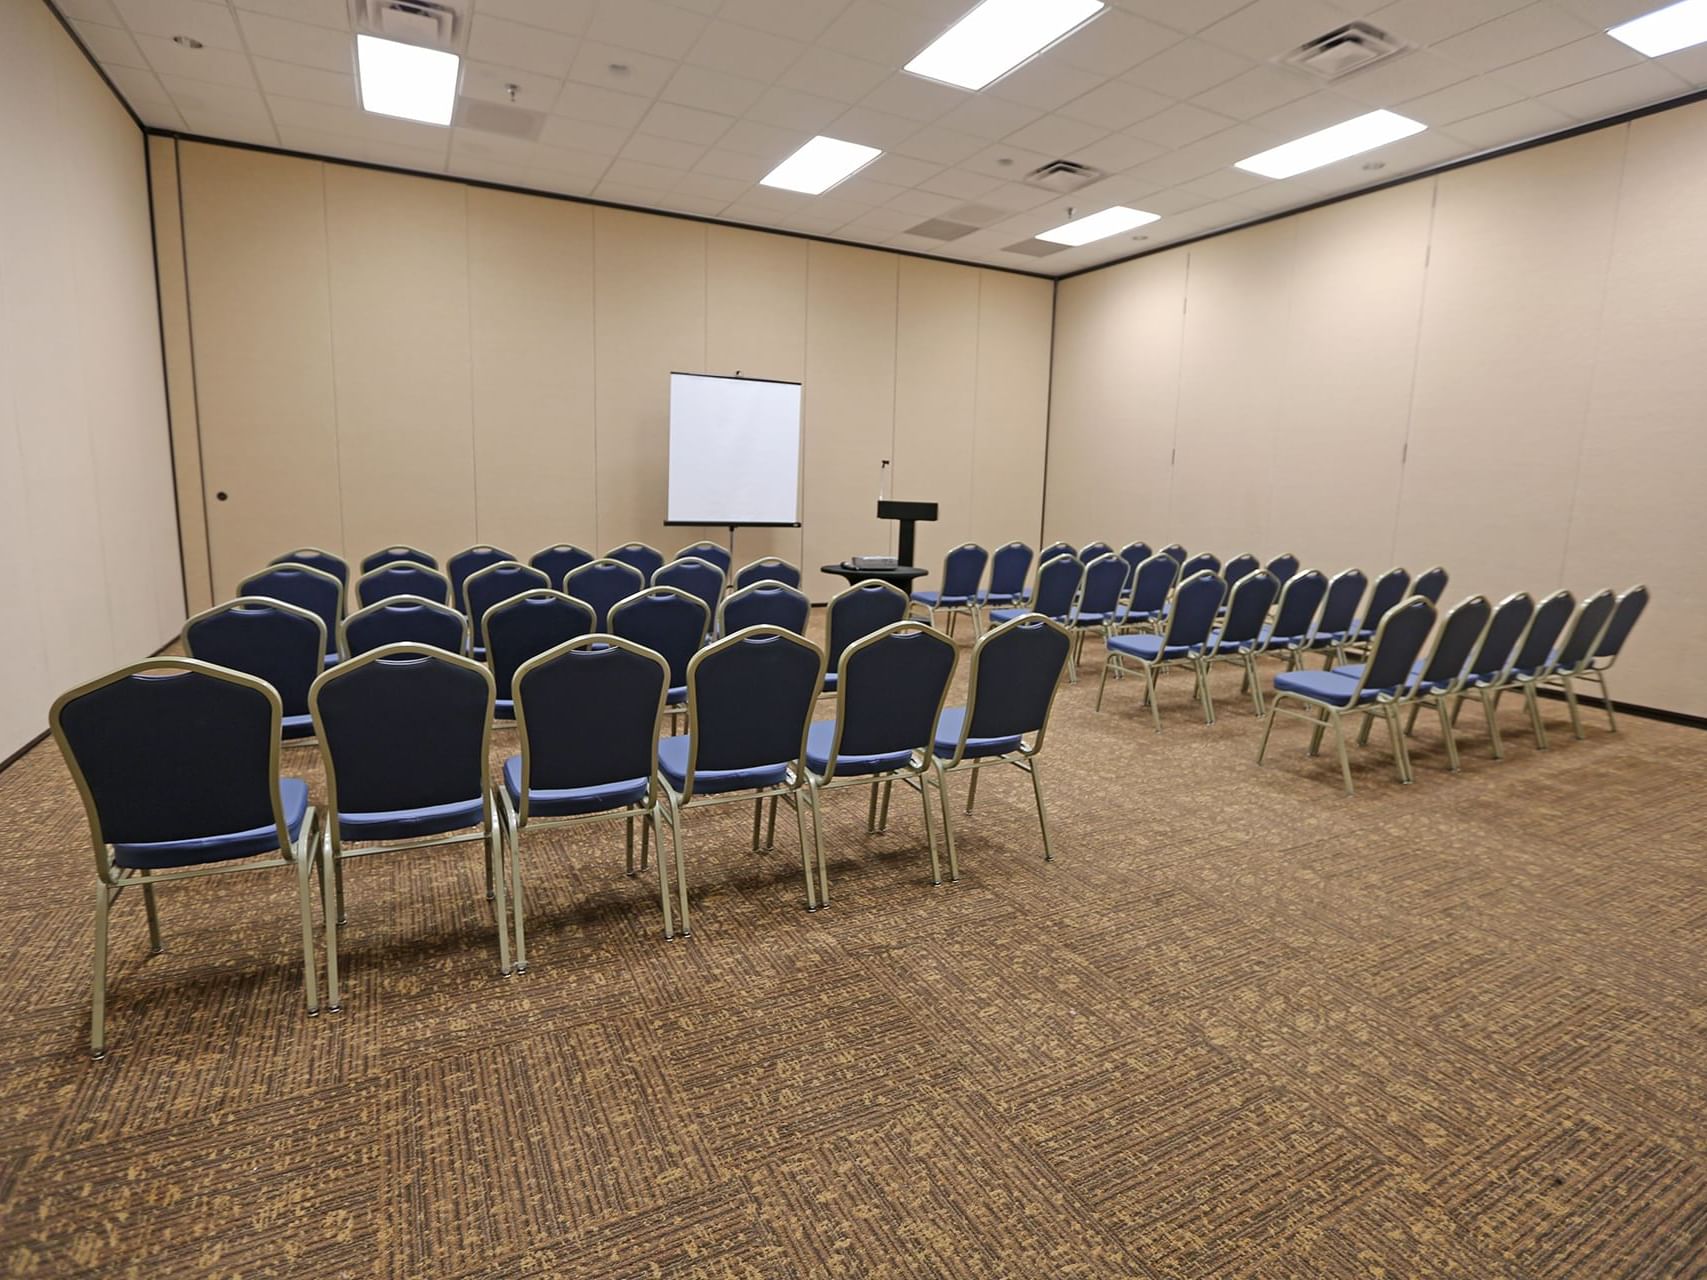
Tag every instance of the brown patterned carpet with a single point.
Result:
(1243, 1026)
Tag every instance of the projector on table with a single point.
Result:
(874, 562)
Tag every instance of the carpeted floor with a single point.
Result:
(1243, 1026)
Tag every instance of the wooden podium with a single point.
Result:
(909, 514)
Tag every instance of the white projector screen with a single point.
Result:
(734, 451)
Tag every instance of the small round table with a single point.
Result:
(900, 576)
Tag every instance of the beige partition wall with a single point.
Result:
(89, 570)
(382, 358)
(1497, 369)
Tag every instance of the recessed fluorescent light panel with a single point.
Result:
(1098, 226)
(1348, 138)
(997, 36)
(406, 80)
(819, 165)
(1666, 30)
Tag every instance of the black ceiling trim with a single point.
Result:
(99, 69)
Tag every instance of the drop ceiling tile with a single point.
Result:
(1608, 13)
(1470, 97)
(302, 42)
(1173, 202)
(583, 165)
(566, 184)
(1509, 124)
(767, 142)
(623, 193)
(1183, 15)
(872, 128)
(490, 83)
(1187, 69)
(138, 84)
(1308, 114)
(1017, 196)
(668, 152)
(1617, 91)
(962, 184)
(798, 19)
(750, 215)
(988, 117)
(745, 52)
(867, 191)
(322, 13)
(867, 29)
(475, 144)
(711, 187)
(647, 25)
(1020, 161)
(1427, 22)
(792, 109)
(208, 99)
(1056, 135)
(915, 98)
(643, 75)
(100, 11)
(567, 17)
(1117, 152)
(292, 80)
(583, 135)
(882, 221)
(712, 90)
(1224, 182)
(683, 202)
(512, 44)
(1262, 31)
(601, 106)
(111, 46)
(1569, 64)
(257, 130)
(924, 204)
(212, 24)
(1407, 76)
(635, 173)
(1690, 63)
(835, 75)
(899, 170)
(1520, 34)
(1113, 42)
(1251, 93)
(215, 66)
(733, 164)
(1179, 124)
(1116, 104)
(1044, 84)
(685, 124)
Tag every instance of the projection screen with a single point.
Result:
(734, 451)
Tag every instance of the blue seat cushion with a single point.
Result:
(293, 797)
(673, 764)
(999, 616)
(1355, 671)
(1148, 648)
(1002, 597)
(547, 803)
(948, 737)
(503, 709)
(406, 824)
(1328, 639)
(829, 682)
(818, 739)
(1217, 645)
(1328, 687)
(478, 653)
(1092, 619)
(331, 660)
(1266, 637)
(676, 695)
(296, 727)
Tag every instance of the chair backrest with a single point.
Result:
(750, 700)
(1397, 641)
(1057, 549)
(1542, 636)
(1016, 669)
(495, 584)
(1151, 584)
(1339, 608)
(402, 578)
(523, 627)
(764, 603)
(1135, 554)
(403, 620)
(1196, 601)
(403, 727)
(307, 588)
(669, 621)
(601, 583)
(1240, 565)
(890, 687)
(638, 555)
(386, 555)
(1390, 588)
(1630, 606)
(1009, 567)
(463, 566)
(318, 558)
(1584, 637)
(1430, 584)
(710, 552)
(1176, 551)
(171, 749)
(962, 571)
(699, 578)
(556, 561)
(588, 712)
(1283, 566)
(1091, 550)
(767, 569)
(1247, 608)
(1198, 563)
(1456, 641)
(1300, 598)
(858, 611)
(1057, 586)
(268, 639)
(1100, 594)
(1511, 617)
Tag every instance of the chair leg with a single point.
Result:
(98, 974)
(329, 918)
(1339, 743)
(871, 813)
(1571, 702)
(972, 789)
(681, 869)
(153, 912)
(1042, 811)
(1268, 728)
(947, 820)
(629, 868)
(806, 853)
(1203, 684)
(1252, 683)
(883, 807)
(304, 857)
(338, 890)
(651, 821)
(489, 895)
(510, 838)
(813, 797)
(495, 870)
(930, 831)
(1534, 705)
(1605, 698)
(758, 819)
(1316, 733)
(1102, 685)
(1446, 732)
(1150, 694)
(770, 827)
(1401, 753)
(1411, 721)
(1491, 710)
(645, 843)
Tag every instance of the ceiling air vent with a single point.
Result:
(1035, 248)
(1344, 50)
(426, 22)
(1062, 176)
(941, 229)
(494, 117)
